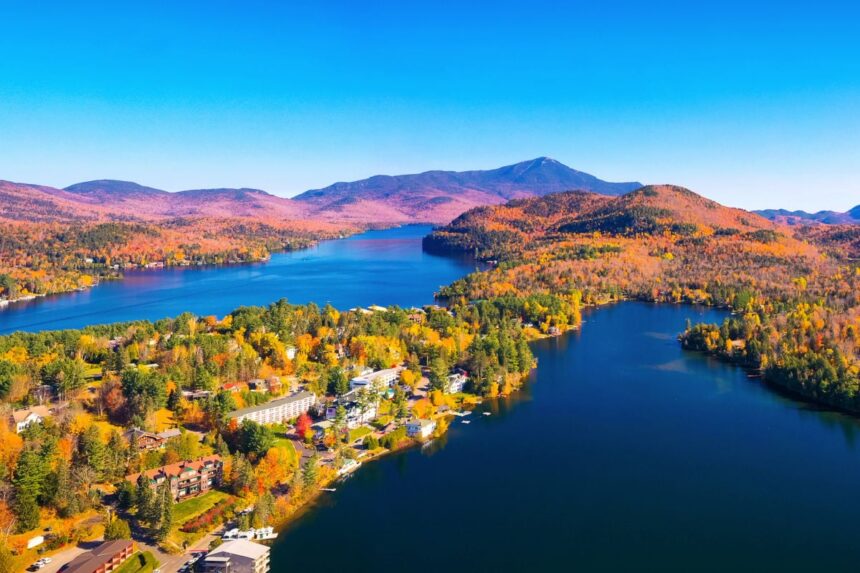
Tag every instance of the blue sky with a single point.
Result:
(752, 104)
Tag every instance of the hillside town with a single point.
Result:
(186, 443)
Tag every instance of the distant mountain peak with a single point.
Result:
(112, 187)
(439, 196)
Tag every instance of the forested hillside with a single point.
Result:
(796, 299)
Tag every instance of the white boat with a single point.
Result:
(265, 533)
(348, 467)
(466, 422)
(487, 414)
(329, 489)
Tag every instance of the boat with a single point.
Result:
(348, 467)
(487, 414)
(329, 489)
(466, 422)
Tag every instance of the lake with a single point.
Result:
(624, 453)
(378, 267)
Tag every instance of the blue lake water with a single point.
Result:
(624, 453)
(378, 267)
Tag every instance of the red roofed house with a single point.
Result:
(186, 479)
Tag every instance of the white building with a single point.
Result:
(34, 415)
(277, 411)
(237, 556)
(385, 378)
(420, 428)
(455, 382)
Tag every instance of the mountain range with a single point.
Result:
(850, 217)
(436, 197)
(431, 197)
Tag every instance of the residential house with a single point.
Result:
(105, 558)
(188, 478)
(35, 415)
(321, 428)
(276, 411)
(420, 428)
(237, 556)
(456, 381)
(143, 440)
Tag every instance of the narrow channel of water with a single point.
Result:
(624, 453)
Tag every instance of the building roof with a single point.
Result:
(91, 560)
(132, 434)
(240, 547)
(167, 434)
(422, 422)
(21, 415)
(175, 469)
(371, 376)
(273, 404)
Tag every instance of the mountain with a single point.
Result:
(501, 231)
(849, 217)
(113, 190)
(431, 197)
(37, 203)
(439, 196)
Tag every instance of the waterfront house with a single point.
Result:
(420, 428)
(35, 415)
(455, 382)
(188, 478)
(277, 411)
(237, 556)
(105, 558)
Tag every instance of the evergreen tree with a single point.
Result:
(310, 473)
(116, 456)
(146, 504)
(91, 452)
(165, 505)
(29, 481)
(126, 495)
(173, 402)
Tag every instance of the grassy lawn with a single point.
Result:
(288, 445)
(138, 563)
(185, 510)
(358, 433)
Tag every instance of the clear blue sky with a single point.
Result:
(752, 105)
